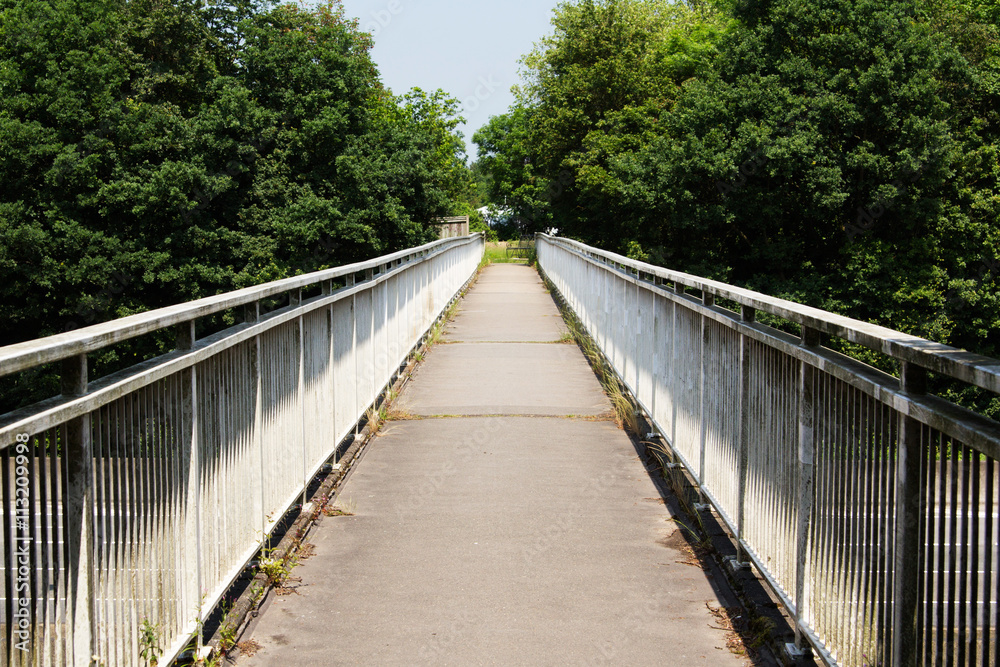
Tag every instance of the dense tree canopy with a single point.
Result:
(843, 153)
(153, 152)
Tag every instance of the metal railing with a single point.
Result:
(871, 507)
(130, 504)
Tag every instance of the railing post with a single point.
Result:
(251, 315)
(350, 282)
(674, 392)
(184, 336)
(707, 300)
(190, 465)
(302, 407)
(749, 315)
(911, 503)
(79, 503)
(807, 457)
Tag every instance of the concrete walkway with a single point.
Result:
(505, 520)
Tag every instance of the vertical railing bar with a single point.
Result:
(990, 638)
(832, 479)
(223, 460)
(142, 487)
(925, 622)
(962, 547)
(890, 434)
(139, 509)
(953, 541)
(41, 467)
(140, 426)
(707, 300)
(354, 341)
(927, 438)
(103, 601)
(187, 435)
(192, 412)
(79, 513)
(807, 458)
(748, 315)
(171, 445)
(866, 490)
(841, 521)
(147, 411)
(166, 537)
(817, 595)
(879, 537)
(154, 421)
(331, 412)
(941, 510)
(302, 405)
(869, 489)
(251, 314)
(851, 622)
(29, 546)
(125, 556)
(910, 507)
(880, 534)
(8, 497)
(36, 519)
(994, 519)
(973, 545)
(58, 436)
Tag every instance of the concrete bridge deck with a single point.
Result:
(503, 519)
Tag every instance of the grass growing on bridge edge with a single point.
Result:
(622, 404)
(748, 630)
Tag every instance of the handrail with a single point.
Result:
(146, 492)
(22, 356)
(975, 369)
(869, 506)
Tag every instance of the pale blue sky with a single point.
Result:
(469, 49)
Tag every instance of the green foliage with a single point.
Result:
(156, 152)
(841, 153)
(149, 643)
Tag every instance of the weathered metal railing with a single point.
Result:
(130, 504)
(871, 507)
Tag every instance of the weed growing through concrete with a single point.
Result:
(275, 570)
(149, 642)
(621, 403)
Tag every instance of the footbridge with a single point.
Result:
(460, 487)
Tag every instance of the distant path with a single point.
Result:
(507, 521)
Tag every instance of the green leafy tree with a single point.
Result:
(155, 152)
